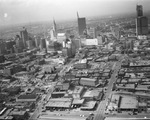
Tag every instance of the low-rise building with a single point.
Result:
(78, 92)
(21, 115)
(89, 82)
(59, 103)
(27, 98)
(81, 64)
(92, 95)
(90, 105)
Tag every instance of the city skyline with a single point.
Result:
(25, 11)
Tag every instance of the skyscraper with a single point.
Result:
(81, 25)
(53, 31)
(3, 47)
(43, 44)
(141, 22)
(24, 36)
(19, 43)
(142, 25)
(54, 27)
(139, 10)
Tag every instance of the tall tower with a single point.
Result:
(141, 21)
(43, 44)
(54, 26)
(24, 36)
(81, 25)
(139, 10)
(53, 31)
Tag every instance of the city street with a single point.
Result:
(102, 106)
(74, 59)
(38, 110)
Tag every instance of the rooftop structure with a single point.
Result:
(59, 103)
(89, 82)
(88, 105)
(128, 103)
(27, 98)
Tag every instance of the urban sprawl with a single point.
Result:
(93, 71)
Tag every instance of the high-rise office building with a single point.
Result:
(29, 44)
(37, 40)
(24, 36)
(91, 32)
(81, 25)
(10, 46)
(19, 43)
(3, 48)
(53, 31)
(141, 22)
(43, 44)
(139, 10)
(55, 28)
(142, 25)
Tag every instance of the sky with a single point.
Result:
(26, 11)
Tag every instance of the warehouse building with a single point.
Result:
(77, 103)
(92, 95)
(27, 98)
(90, 105)
(77, 93)
(59, 103)
(89, 82)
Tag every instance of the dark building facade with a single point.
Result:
(141, 21)
(24, 36)
(19, 44)
(81, 25)
(3, 47)
(139, 10)
(142, 25)
(43, 44)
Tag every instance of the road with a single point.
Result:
(63, 71)
(39, 108)
(101, 108)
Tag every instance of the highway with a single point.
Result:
(100, 114)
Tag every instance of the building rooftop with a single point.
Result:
(78, 89)
(88, 79)
(91, 93)
(78, 101)
(128, 102)
(89, 105)
(29, 96)
(16, 112)
(61, 34)
(59, 102)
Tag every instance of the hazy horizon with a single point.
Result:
(25, 11)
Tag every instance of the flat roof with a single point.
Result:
(30, 96)
(88, 79)
(89, 105)
(78, 101)
(60, 102)
(78, 89)
(61, 34)
(128, 102)
(16, 112)
(91, 93)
